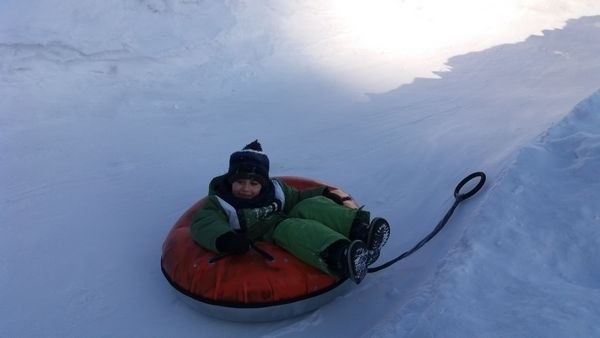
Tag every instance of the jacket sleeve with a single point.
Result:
(208, 224)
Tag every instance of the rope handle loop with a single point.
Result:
(461, 184)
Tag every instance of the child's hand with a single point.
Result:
(233, 243)
(328, 192)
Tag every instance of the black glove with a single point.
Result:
(233, 243)
(334, 197)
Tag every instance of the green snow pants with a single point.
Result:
(314, 224)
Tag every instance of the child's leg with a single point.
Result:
(306, 239)
(326, 211)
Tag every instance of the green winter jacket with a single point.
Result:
(217, 217)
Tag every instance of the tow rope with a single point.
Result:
(458, 197)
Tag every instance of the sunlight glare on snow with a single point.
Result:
(412, 27)
(377, 45)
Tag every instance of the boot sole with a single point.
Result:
(379, 233)
(358, 256)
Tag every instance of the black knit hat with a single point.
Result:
(249, 162)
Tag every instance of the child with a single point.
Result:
(244, 205)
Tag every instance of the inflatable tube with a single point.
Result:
(247, 288)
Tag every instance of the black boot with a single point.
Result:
(379, 233)
(359, 230)
(375, 235)
(348, 259)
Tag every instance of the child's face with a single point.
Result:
(245, 188)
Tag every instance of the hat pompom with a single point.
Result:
(255, 145)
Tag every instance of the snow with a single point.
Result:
(115, 115)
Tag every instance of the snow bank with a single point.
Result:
(527, 264)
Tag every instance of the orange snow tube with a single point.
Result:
(247, 287)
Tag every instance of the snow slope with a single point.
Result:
(526, 266)
(114, 116)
